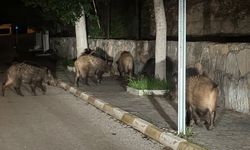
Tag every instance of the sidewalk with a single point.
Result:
(232, 129)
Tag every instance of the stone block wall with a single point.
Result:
(228, 64)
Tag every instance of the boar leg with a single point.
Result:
(130, 73)
(120, 72)
(17, 87)
(85, 77)
(33, 88)
(7, 83)
(99, 76)
(41, 86)
(86, 80)
(4, 86)
(196, 117)
(76, 80)
(211, 120)
(95, 79)
(18, 91)
(190, 116)
(77, 76)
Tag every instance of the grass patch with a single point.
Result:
(149, 83)
(189, 133)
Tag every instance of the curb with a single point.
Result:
(166, 138)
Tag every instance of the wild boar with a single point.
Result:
(98, 52)
(190, 71)
(91, 66)
(201, 96)
(149, 67)
(35, 76)
(125, 64)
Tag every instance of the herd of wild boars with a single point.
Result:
(31, 74)
(201, 91)
(94, 63)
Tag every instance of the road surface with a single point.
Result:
(60, 121)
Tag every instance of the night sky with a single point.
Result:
(15, 12)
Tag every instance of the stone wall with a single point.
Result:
(228, 64)
(211, 17)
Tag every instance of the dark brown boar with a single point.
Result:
(202, 95)
(35, 76)
(98, 52)
(149, 67)
(91, 66)
(125, 64)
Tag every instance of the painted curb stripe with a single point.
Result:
(108, 109)
(84, 96)
(170, 140)
(67, 87)
(128, 119)
(189, 146)
(72, 90)
(99, 104)
(118, 113)
(140, 124)
(63, 85)
(153, 132)
(91, 100)
(78, 93)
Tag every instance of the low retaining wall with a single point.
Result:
(228, 63)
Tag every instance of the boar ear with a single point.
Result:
(199, 67)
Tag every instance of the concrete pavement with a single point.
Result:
(162, 112)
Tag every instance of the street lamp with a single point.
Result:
(16, 28)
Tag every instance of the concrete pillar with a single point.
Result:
(46, 41)
(38, 41)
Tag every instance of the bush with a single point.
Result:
(149, 83)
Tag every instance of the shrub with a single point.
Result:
(149, 83)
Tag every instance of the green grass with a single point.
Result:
(189, 133)
(147, 83)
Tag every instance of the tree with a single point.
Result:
(81, 35)
(161, 39)
(68, 12)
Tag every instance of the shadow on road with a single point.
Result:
(162, 112)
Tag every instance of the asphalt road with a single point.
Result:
(60, 121)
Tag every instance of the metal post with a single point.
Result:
(138, 18)
(182, 67)
(108, 18)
